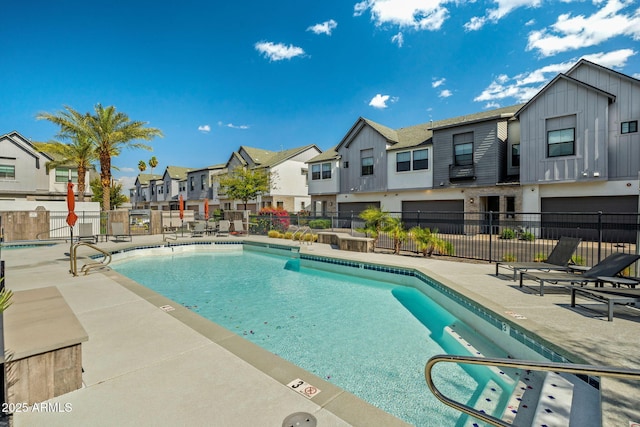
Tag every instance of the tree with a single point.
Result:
(427, 241)
(374, 219)
(153, 162)
(116, 198)
(78, 152)
(142, 166)
(245, 184)
(109, 131)
(395, 228)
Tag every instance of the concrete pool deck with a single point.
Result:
(144, 365)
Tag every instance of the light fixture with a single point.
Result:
(471, 200)
(596, 174)
(585, 173)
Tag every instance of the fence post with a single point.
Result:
(490, 236)
(599, 236)
(419, 225)
(352, 223)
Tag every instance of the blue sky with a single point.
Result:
(280, 74)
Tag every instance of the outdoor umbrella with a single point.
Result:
(71, 216)
(181, 207)
(206, 209)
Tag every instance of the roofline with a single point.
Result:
(363, 121)
(572, 80)
(470, 122)
(586, 61)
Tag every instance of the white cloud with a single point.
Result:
(380, 101)
(575, 32)
(524, 86)
(437, 83)
(128, 182)
(636, 76)
(491, 105)
(417, 14)
(445, 93)
(398, 38)
(324, 28)
(278, 51)
(232, 126)
(204, 128)
(530, 22)
(127, 169)
(502, 9)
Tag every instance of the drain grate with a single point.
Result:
(300, 419)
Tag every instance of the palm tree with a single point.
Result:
(108, 131)
(142, 166)
(153, 162)
(79, 152)
(395, 228)
(374, 218)
(427, 241)
(112, 131)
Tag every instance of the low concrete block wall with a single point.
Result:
(346, 242)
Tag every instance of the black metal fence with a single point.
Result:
(488, 236)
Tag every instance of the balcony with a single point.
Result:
(462, 172)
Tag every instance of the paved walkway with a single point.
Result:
(145, 366)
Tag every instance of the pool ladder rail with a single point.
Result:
(73, 259)
(306, 230)
(570, 368)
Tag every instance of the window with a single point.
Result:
(322, 171)
(7, 172)
(515, 155)
(153, 189)
(511, 206)
(560, 142)
(167, 188)
(191, 184)
(463, 149)
(345, 165)
(304, 171)
(420, 159)
(160, 189)
(403, 161)
(182, 186)
(629, 127)
(315, 172)
(62, 175)
(203, 181)
(366, 161)
(280, 205)
(326, 171)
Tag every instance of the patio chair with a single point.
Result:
(199, 228)
(223, 227)
(85, 233)
(609, 267)
(558, 259)
(610, 297)
(117, 231)
(238, 226)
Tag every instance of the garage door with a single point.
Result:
(445, 215)
(355, 208)
(618, 222)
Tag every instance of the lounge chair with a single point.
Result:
(609, 267)
(199, 229)
(117, 231)
(223, 227)
(610, 297)
(238, 226)
(85, 233)
(558, 258)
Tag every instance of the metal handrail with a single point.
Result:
(602, 371)
(85, 268)
(53, 238)
(304, 231)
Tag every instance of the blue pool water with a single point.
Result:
(368, 337)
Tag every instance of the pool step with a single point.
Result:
(554, 404)
(487, 401)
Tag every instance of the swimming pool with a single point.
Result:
(371, 338)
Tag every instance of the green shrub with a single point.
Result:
(320, 223)
(528, 236)
(288, 235)
(540, 257)
(509, 258)
(449, 249)
(273, 233)
(578, 260)
(508, 233)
